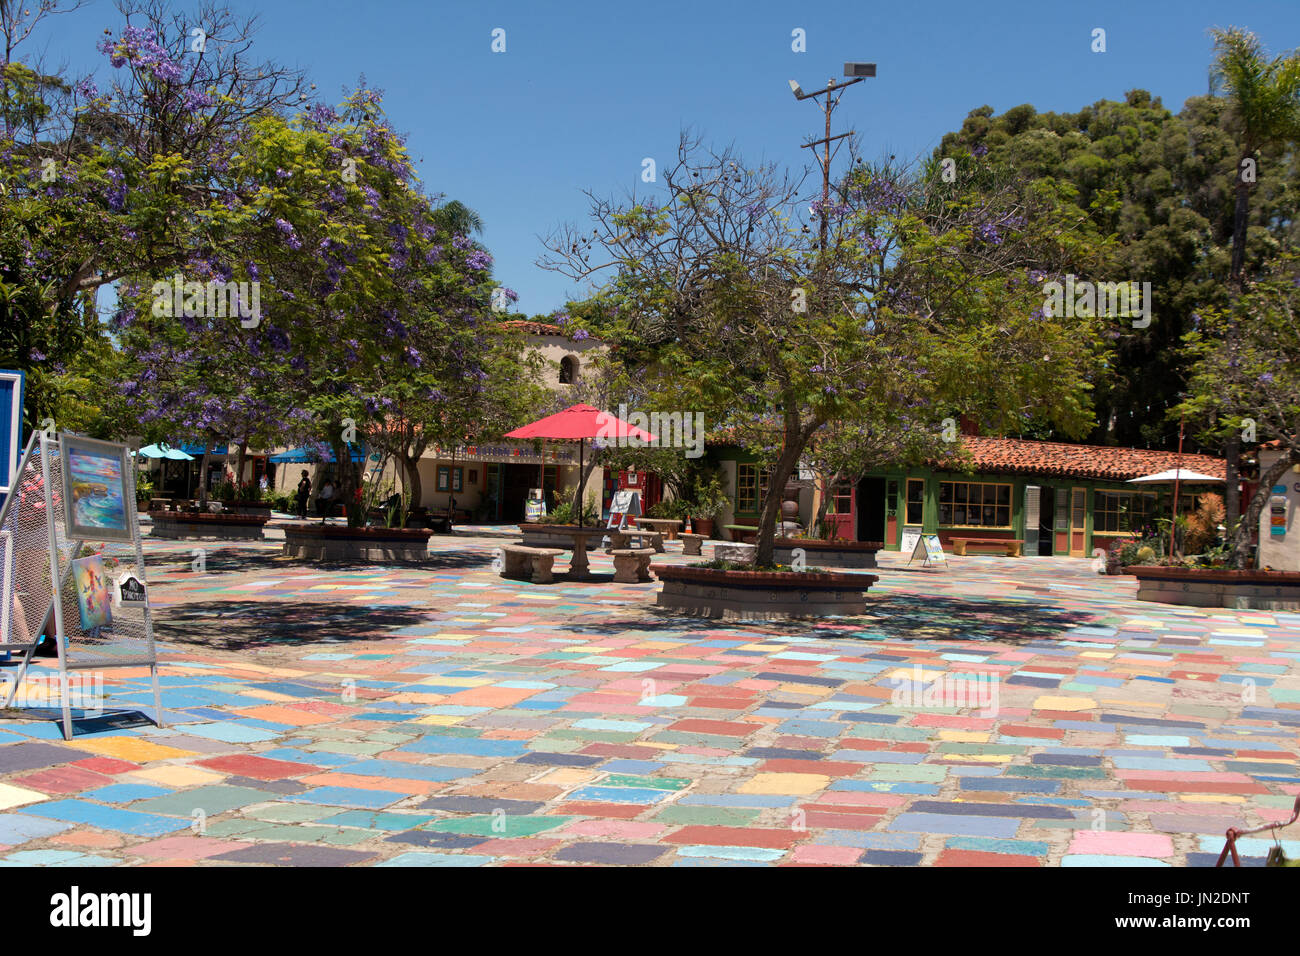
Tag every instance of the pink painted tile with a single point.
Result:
(839, 855)
(1122, 844)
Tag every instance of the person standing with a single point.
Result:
(304, 492)
(325, 500)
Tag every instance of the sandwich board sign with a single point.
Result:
(11, 427)
(929, 547)
(73, 495)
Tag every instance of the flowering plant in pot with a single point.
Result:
(710, 501)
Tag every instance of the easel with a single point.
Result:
(27, 584)
(929, 547)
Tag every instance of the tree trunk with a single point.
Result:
(345, 488)
(239, 468)
(826, 491)
(1232, 447)
(1239, 216)
(411, 474)
(785, 466)
(1250, 520)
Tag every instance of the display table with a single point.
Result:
(567, 536)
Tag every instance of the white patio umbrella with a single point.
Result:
(1172, 475)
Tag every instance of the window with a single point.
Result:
(915, 501)
(449, 479)
(1121, 510)
(840, 500)
(966, 503)
(569, 370)
(1062, 509)
(751, 486)
(891, 497)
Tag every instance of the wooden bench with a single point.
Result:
(525, 562)
(620, 538)
(632, 565)
(691, 543)
(1010, 545)
(739, 531)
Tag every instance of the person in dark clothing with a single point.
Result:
(304, 492)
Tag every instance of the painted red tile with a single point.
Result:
(259, 768)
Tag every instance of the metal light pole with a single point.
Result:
(857, 72)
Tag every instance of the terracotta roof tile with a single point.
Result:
(1024, 456)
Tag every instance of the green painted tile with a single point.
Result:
(500, 825)
(707, 816)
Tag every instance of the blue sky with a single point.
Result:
(585, 90)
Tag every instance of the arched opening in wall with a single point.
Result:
(569, 370)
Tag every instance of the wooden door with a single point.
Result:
(1078, 520)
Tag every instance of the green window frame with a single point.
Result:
(751, 486)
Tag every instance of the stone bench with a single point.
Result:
(525, 562)
(632, 565)
(691, 543)
(1010, 545)
(622, 538)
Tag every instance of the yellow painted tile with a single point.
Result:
(987, 758)
(905, 673)
(785, 783)
(1211, 798)
(566, 776)
(965, 736)
(1100, 655)
(440, 720)
(11, 796)
(1049, 702)
(173, 776)
(130, 748)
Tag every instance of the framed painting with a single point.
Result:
(98, 481)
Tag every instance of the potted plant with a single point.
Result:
(710, 502)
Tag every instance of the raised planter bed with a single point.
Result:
(248, 507)
(198, 524)
(829, 554)
(761, 595)
(317, 542)
(1216, 587)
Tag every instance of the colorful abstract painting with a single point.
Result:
(94, 598)
(95, 490)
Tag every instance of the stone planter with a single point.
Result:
(197, 524)
(1215, 587)
(761, 595)
(545, 536)
(316, 542)
(248, 507)
(828, 554)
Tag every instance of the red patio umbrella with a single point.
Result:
(578, 423)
